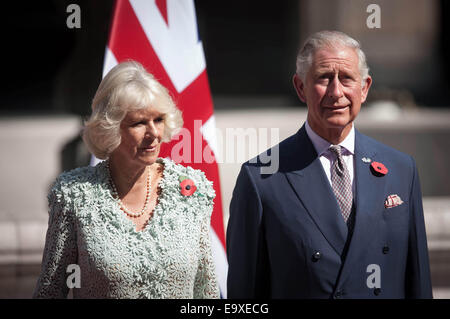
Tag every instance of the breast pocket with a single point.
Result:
(396, 222)
(397, 212)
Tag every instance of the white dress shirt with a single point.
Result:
(327, 158)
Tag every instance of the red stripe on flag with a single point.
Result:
(195, 101)
(128, 41)
(196, 104)
(162, 7)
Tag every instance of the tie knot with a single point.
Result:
(337, 150)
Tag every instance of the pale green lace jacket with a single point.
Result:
(170, 258)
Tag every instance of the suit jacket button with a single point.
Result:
(338, 294)
(385, 249)
(317, 255)
(377, 291)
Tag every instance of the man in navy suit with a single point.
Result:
(342, 216)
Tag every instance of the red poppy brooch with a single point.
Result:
(187, 186)
(378, 169)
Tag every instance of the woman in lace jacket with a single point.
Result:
(135, 225)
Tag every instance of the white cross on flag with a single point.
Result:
(162, 35)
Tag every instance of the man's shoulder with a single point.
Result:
(291, 154)
(383, 151)
(379, 147)
(276, 153)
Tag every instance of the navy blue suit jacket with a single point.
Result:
(286, 237)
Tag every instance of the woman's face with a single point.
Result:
(141, 133)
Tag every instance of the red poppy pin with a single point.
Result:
(378, 169)
(187, 186)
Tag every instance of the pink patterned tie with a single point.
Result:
(340, 182)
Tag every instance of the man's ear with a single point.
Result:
(365, 88)
(299, 86)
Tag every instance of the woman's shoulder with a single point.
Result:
(80, 178)
(186, 175)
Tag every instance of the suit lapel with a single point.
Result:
(313, 189)
(369, 204)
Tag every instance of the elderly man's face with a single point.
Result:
(333, 91)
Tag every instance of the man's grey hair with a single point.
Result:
(330, 39)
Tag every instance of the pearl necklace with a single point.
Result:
(122, 206)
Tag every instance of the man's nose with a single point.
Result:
(335, 89)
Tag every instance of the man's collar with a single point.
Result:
(321, 145)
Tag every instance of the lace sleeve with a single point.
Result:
(205, 286)
(60, 249)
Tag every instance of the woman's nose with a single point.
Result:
(151, 129)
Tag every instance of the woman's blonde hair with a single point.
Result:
(127, 87)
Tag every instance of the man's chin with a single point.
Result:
(338, 122)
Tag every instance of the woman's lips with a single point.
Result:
(149, 149)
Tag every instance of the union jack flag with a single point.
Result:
(162, 35)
